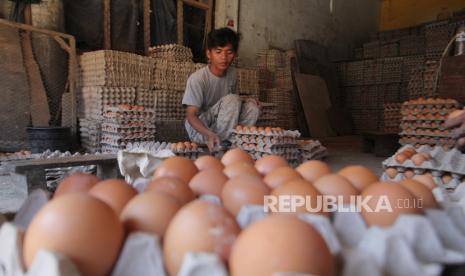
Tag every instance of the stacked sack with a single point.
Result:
(110, 78)
(423, 122)
(125, 124)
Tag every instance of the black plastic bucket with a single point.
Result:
(52, 138)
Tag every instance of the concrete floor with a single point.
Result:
(343, 151)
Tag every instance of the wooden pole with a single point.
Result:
(106, 25)
(180, 22)
(147, 36)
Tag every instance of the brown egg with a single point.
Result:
(336, 185)
(114, 192)
(446, 178)
(80, 226)
(313, 169)
(236, 155)
(208, 162)
(302, 188)
(409, 152)
(208, 182)
(421, 192)
(177, 167)
(281, 243)
(391, 199)
(240, 168)
(280, 176)
(401, 158)
(426, 179)
(391, 172)
(360, 177)
(243, 190)
(150, 212)
(180, 146)
(418, 159)
(173, 186)
(199, 226)
(77, 182)
(409, 174)
(426, 155)
(269, 163)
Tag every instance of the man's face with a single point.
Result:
(221, 57)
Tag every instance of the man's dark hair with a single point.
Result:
(221, 37)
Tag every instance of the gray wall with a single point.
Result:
(278, 23)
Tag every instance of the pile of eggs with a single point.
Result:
(89, 219)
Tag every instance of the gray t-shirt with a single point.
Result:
(204, 89)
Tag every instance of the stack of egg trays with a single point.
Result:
(415, 85)
(93, 99)
(283, 79)
(171, 52)
(373, 71)
(443, 162)
(258, 143)
(389, 49)
(154, 147)
(116, 69)
(371, 49)
(437, 36)
(122, 125)
(311, 150)
(412, 45)
(168, 105)
(247, 81)
(392, 117)
(354, 73)
(423, 122)
(429, 78)
(410, 63)
(271, 59)
(145, 97)
(91, 134)
(392, 70)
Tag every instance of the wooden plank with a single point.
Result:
(180, 22)
(23, 166)
(147, 37)
(106, 24)
(34, 29)
(315, 101)
(198, 4)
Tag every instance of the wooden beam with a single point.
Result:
(197, 4)
(34, 29)
(106, 25)
(147, 37)
(180, 22)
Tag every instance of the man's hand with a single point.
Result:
(253, 100)
(214, 142)
(456, 122)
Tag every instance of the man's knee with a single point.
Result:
(251, 108)
(231, 100)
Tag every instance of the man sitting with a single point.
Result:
(213, 107)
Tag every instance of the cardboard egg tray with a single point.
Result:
(373, 71)
(185, 149)
(389, 49)
(171, 52)
(443, 162)
(311, 150)
(283, 79)
(145, 97)
(14, 156)
(266, 131)
(392, 117)
(371, 49)
(392, 70)
(410, 63)
(92, 100)
(116, 69)
(124, 114)
(426, 140)
(91, 134)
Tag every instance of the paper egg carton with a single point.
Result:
(437, 36)
(411, 125)
(247, 81)
(430, 103)
(171, 52)
(311, 150)
(186, 149)
(137, 127)
(90, 133)
(271, 59)
(443, 162)
(92, 100)
(123, 114)
(266, 131)
(145, 97)
(172, 75)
